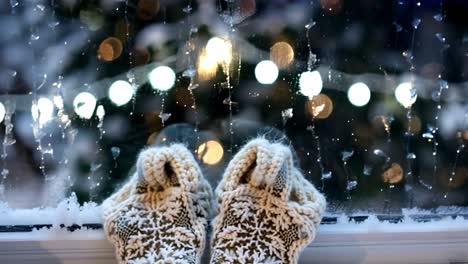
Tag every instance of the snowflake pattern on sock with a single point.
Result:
(267, 212)
(161, 216)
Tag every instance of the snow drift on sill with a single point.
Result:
(70, 212)
(67, 212)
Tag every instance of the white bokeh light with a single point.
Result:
(266, 72)
(405, 94)
(100, 112)
(359, 94)
(162, 78)
(58, 101)
(46, 108)
(219, 49)
(120, 92)
(310, 83)
(2, 112)
(42, 111)
(84, 105)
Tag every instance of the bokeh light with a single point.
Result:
(45, 107)
(100, 112)
(266, 72)
(405, 94)
(84, 105)
(394, 174)
(320, 106)
(162, 78)
(219, 49)
(282, 54)
(206, 66)
(58, 101)
(359, 94)
(2, 112)
(210, 152)
(110, 49)
(43, 111)
(120, 92)
(93, 18)
(310, 83)
(147, 9)
(247, 8)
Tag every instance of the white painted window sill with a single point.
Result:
(436, 242)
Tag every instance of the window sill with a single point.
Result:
(436, 242)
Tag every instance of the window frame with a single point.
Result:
(335, 243)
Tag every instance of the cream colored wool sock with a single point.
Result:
(267, 212)
(160, 215)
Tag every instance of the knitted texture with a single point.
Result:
(160, 215)
(267, 212)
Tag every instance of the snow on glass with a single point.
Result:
(302, 71)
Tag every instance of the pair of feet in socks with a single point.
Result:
(265, 212)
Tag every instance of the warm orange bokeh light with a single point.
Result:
(282, 54)
(110, 49)
(207, 66)
(319, 107)
(210, 152)
(394, 174)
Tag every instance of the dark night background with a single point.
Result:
(352, 37)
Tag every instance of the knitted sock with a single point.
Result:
(160, 215)
(267, 212)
